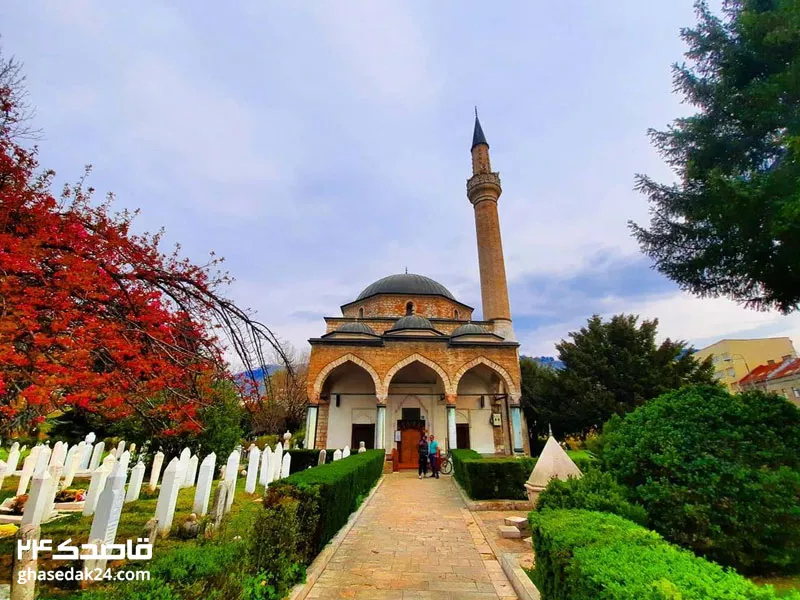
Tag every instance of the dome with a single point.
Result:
(469, 329)
(406, 283)
(356, 327)
(412, 322)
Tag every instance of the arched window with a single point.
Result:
(410, 308)
(361, 313)
(455, 314)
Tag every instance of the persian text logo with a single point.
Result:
(142, 550)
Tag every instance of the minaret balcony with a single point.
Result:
(481, 185)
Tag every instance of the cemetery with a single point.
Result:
(184, 504)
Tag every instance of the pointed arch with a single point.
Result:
(513, 392)
(323, 374)
(420, 359)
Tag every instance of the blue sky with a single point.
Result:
(319, 146)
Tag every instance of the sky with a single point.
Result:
(319, 146)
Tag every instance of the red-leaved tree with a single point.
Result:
(95, 316)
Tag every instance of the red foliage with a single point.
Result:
(93, 315)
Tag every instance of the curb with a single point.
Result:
(480, 505)
(301, 590)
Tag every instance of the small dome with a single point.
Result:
(412, 322)
(356, 327)
(406, 283)
(469, 329)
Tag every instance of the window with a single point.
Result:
(410, 308)
(731, 372)
(361, 313)
(455, 314)
(796, 392)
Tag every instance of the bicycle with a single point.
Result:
(446, 465)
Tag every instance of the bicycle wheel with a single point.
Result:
(447, 467)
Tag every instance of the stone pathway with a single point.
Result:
(415, 540)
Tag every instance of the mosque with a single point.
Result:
(407, 357)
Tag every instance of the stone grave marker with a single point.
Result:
(27, 472)
(109, 507)
(135, 485)
(252, 471)
(337, 455)
(361, 448)
(59, 454)
(96, 485)
(287, 465)
(266, 467)
(277, 457)
(191, 472)
(220, 501)
(155, 471)
(204, 481)
(346, 452)
(39, 499)
(73, 462)
(13, 459)
(323, 456)
(97, 454)
(120, 449)
(168, 495)
(231, 472)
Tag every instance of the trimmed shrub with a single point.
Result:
(492, 478)
(303, 458)
(584, 555)
(327, 495)
(717, 473)
(596, 491)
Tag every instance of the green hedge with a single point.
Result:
(328, 494)
(492, 478)
(584, 555)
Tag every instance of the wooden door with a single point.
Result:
(409, 457)
(462, 435)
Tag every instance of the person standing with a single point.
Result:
(433, 456)
(422, 449)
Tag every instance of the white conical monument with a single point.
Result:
(553, 463)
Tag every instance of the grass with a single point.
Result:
(579, 454)
(131, 525)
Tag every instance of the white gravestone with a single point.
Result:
(90, 437)
(361, 448)
(277, 459)
(287, 465)
(3, 468)
(132, 448)
(70, 453)
(38, 499)
(191, 472)
(27, 472)
(120, 449)
(252, 471)
(55, 477)
(346, 452)
(204, 480)
(106, 517)
(323, 456)
(231, 471)
(97, 454)
(155, 472)
(135, 485)
(73, 462)
(109, 462)
(337, 455)
(13, 459)
(42, 458)
(264, 471)
(96, 485)
(124, 461)
(168, 495)
(59, 454)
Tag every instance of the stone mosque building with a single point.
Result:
(407, 357)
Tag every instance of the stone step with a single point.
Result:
(510, 532)
(520, 523)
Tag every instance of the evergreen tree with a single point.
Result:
(730, 226)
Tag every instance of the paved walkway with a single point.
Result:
(415, 540)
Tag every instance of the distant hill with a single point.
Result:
(259, 374)
(547, 361)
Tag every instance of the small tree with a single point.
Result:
(717, 473)
(731, 225)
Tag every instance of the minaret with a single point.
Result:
(483, 191)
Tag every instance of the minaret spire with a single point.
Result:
(483, 191)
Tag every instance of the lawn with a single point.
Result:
(131, 525)
(782, 585)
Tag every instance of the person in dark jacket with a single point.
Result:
(422, 448)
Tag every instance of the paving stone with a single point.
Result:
(414, 542)
(520, 523)
(509, 531)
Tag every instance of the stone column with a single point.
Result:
(451, 426)
(380, 427)
(516, 428)
(311, 426)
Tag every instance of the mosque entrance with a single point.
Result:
(411, 431)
